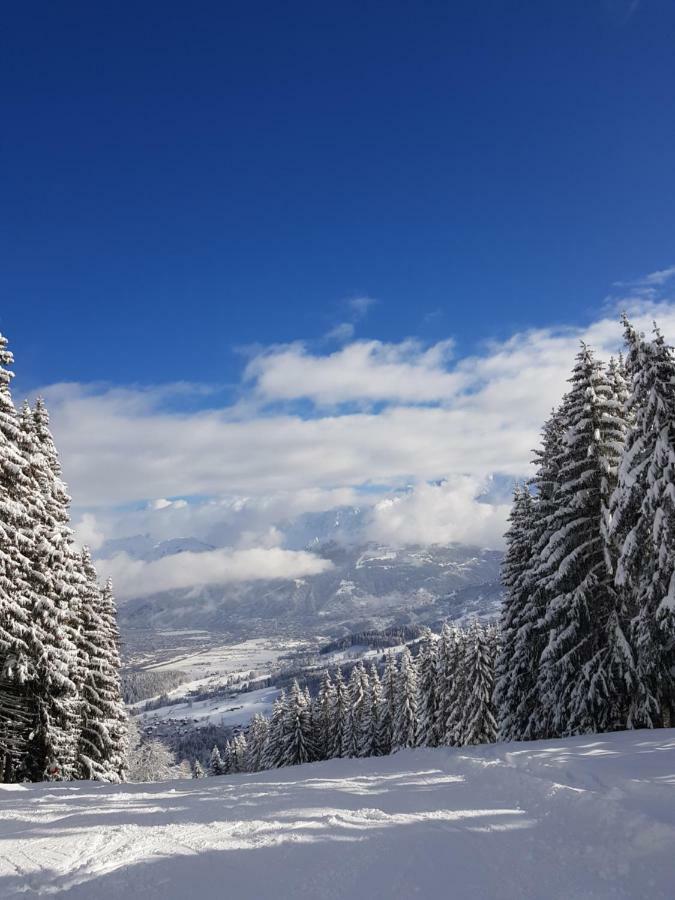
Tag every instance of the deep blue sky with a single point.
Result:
(182, 178)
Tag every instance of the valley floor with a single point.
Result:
(590, 817)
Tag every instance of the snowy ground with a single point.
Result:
(230, 659)
(590, 817)
(236, 710)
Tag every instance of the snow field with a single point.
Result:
(589, 817)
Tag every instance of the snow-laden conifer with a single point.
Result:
(405, 717)
(517, 665)
(102, 736)
(575, 565)
(477, 723)
(215, 762)
(428, 691)
(17, 713)
(388, 705)
(274, 750)
(257, 737)
(453, 682)
(340, 717)
(643, 524)
(365, 730)
(381, 736)
(323, 708)
(297, 738)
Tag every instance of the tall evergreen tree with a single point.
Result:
(274, 750)
(516, 667)
(55, 583)
(365, 732)
(381, 735)
(428, 688)
(354, 712)
(643, 525)
(238, 753)
(323, 710)
(405, 718)
(457, 688)
(215, 762)
(102, 738)
(339, 717)
(388, 706)
(17, 713)
(257, 737)
(572, 682)
(478, 725)
(297, 741)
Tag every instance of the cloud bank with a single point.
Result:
(133, 577)
(415, 432)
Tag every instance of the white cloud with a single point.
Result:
(341, 333)
(161, 503)
(440, 514)
(88, 533)
(660, 277)
(134, 577)
(360, 306)
(382, 416)
(362, 372)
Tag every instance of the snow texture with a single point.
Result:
(591, 816)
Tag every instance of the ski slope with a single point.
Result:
(590, 817)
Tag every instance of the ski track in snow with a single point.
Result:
(590, 817)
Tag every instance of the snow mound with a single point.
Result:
(579, 818)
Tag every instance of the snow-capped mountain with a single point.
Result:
(369, 586)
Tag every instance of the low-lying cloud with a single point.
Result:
(133, 577)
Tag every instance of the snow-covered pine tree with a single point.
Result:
(257, 736)
(381, 738)
(297, 740)
(323, 706)
(453, 685)
(215, 762)
(405, 718)
(516, 667)
(102, 736)
(354, 712)
(643, 525)
(17, 713)
(428, 690)
(532, 719)
(388, 705)
(229, 761)
(365, 732)
(149, 760)
(274, 750)
(198, 770)
(478, 725)
(339, 717)
(572, 682)
(238, 751)
(55, 582)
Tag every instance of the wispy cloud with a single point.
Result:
(360, 306)
(134, 577)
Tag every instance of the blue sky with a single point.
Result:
(266, 260)
(181, 181)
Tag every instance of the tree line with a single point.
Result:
(443, 695)
(61, 710)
